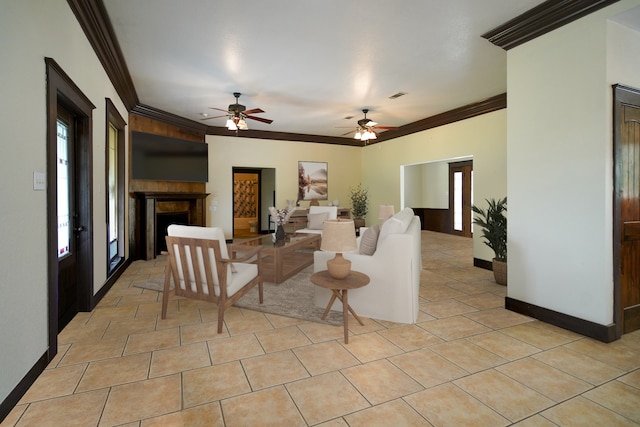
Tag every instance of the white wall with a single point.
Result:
(31, 30)
(435, 185)
(559, 169)
(226, 152)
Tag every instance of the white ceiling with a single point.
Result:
(309, 64)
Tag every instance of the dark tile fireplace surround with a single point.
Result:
(154, 211)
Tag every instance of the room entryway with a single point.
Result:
(626, 226)
(69, 213)
(461, 197)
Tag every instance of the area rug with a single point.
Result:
(291, 298)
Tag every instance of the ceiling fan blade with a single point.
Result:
(387, 127)
(260, 119)
(253, 111)
(220, 109)
(214, 117)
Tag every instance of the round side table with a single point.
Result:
(339, 289)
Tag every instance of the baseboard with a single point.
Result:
(16, 394)
(604, 333)
(487, 265)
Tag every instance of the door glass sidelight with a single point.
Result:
(63, 189)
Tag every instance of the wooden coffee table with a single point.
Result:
(283, 260)
(339, 289)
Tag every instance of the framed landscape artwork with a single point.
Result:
(312, 181)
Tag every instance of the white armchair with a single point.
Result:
(317, 216)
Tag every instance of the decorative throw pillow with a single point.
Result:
(316, 221)
(369, 240)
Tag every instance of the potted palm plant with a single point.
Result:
(493, 223)
(359, 205)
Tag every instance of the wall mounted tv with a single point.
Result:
(162, 158)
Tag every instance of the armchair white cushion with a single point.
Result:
(312, 227)
(394, 272)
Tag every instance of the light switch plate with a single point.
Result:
(39, 181)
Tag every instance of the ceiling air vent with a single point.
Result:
(397, 95)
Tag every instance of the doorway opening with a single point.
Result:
(69, 211)
(253, 193)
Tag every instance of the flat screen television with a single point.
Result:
(162, 158)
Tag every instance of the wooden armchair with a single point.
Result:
(201, 268)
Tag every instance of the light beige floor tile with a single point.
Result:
(546, 380)
(504, 395)
(468, 356)
(580, 412)
(81, 409)
(454, 328)
(503, 345)
(325, 357)
(234, 348)
(119, 370)
(394, 413)
(213, 383)
(448, 406)
(247, 325)
(318, 332)
(380, 381)
(337, 422)
(283, 321)
(434, 293)
(579, 365)
(201, 416)
(498, 318)
(178, 359)
(632, 379)
(270, 407)
(151, 341)
(427, 367)
(143, 298)
(179, 318)
(447, 308)
(370, 347)
(55, 383)
(199, 332)
(82, 352)
(537, 337)
(273, 369)
(281, 339)
(483, 301)
(130, 326)
(82, 332)
(325, 397)
(370, 325)
(621, 398)
(411, 337)
(535, 421)
(617, 356)
(14, 415)
(155, 309)
(102, 314)
(143, 399)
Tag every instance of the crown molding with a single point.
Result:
(92, 17)
(468, 111)
(284, 136)
(149, 112)
(542, 19)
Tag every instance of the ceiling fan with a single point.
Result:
(237, 113)
(367, 128)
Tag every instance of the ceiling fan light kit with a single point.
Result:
(365, 129)
(236, 115)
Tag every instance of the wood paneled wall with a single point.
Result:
(147, 125)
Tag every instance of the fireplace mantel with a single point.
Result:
(151, 204)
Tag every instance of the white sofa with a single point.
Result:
(394, 271)
(317, 215)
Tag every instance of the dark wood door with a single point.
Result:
(460, 197)
(627, 207)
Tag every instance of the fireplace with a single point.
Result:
(155, 211)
